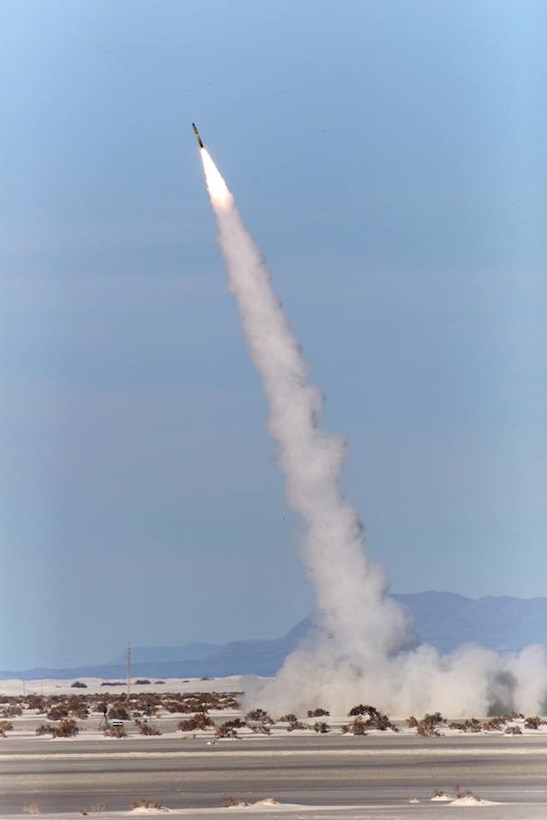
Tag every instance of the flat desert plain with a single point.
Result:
(189, 748)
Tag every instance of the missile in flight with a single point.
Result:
(196, 132)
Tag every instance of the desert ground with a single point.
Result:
(187, 748)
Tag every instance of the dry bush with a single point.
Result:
(45, 729)
(258, 715)
(319, 712)
(67, 728)
(148, 729)
(57, 712)
(144, 803)
(260, 729)
(235, 723)
(118, 712)
(427, 726)
(36, 702)
(115, 731)
(289, 718)
(11, 710)
(226, 731)
(321, 727)
(360, 710)
(375, 719)
(296, 724)
(78, 707)
(228, 801)
(493, 724)
(469, 725)
(513, 730)
(5, 726)
(173, 706)
(412, 722)
(459, 793)
(356, 727)
(33, 808)
(199, 721)
(533, 722)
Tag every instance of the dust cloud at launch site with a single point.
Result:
(363, 648)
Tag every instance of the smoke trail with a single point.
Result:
(355, 654)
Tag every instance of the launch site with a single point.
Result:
(273, 361)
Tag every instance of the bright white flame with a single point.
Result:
(218, 190)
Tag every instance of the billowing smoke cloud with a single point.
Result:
(360, 650)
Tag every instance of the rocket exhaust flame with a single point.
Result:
(218, 190)
(355, 654)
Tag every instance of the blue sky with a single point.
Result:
(390, 158)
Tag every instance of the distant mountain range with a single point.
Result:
(443, 619)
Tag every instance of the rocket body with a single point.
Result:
(196, 132)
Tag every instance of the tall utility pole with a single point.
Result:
(128, 668)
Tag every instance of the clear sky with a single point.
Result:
(390, 157)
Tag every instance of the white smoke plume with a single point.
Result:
(360, 649)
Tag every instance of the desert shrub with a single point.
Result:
(11, 710)
(513, 730)
(361, 710)
(427, 726)
(199, 721)
(261, 729)
(115, 731)
(173, 706)
(426, 730)
(434, 719)
(118, 712)
(228, 801)
(493, 724)
(142, 682)
(33, 808)
(296, 724)
(319, 712)
(36, 702)
(113, 683)
(45, 729)
(235, 723)
(375, 719)
(469, 725)
(5, 726)
(226, 731)
(148, 729)
(412, 722)
(533, 722)
(78, 684)
(356, 727)
(459, 793)
(321, 727)
(289, 718)
(143, 803)
(203, 721)
(57, 712)
(79, 709)
(258, 715)
(67, 728)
